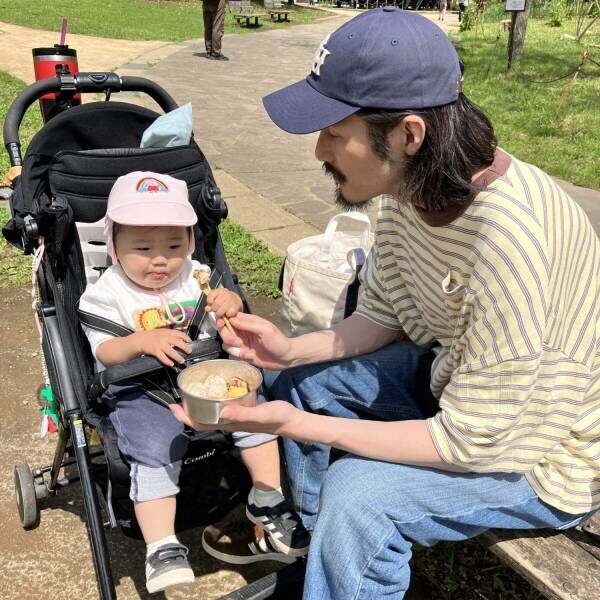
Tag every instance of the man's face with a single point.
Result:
(360, 175)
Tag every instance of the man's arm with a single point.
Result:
(261, 343)
(405, 442)
(351, 337)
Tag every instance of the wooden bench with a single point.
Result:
(243, 12)
(562, 565)
(276, 12)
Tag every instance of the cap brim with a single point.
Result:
(165, 213)
(299, 108)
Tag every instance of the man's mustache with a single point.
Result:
(330, 170)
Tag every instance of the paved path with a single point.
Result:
(270, 179)
(93, 53)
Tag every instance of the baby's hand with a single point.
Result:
(224, 303)
(163, 344)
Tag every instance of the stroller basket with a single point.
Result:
(60, 190)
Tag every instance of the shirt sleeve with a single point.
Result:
(373, 302)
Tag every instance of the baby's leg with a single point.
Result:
(266, 505)
(156, 518)
(154, 444)
(263, 465)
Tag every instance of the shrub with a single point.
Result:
(557, 12)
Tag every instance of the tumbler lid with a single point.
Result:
(58, 49)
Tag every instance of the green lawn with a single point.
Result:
(169, 20)
(32, 122)
(553, 125)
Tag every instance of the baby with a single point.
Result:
(151, 290)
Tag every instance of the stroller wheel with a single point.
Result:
(27, 505)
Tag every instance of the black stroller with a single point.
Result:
(59, 195)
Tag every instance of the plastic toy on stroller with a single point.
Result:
(57, 207)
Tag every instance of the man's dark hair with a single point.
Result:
(459, 141)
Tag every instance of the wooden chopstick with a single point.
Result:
(201, 277)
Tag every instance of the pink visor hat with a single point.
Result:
(148, 199)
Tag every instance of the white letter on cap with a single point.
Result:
(319, 58)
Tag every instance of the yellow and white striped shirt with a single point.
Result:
(510, 289)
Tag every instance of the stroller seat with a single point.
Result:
(58, 207)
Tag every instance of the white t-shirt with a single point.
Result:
(116, 298)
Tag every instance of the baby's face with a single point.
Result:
(152, 257)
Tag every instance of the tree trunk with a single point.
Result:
(516, 38)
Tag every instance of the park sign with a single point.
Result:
(514, 5)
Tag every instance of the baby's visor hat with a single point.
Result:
(144, 198)
(384, 58)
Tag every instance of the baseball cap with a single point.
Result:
(385, 58)
(144, 198)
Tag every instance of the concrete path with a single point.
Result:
(271, 180)
(93, 53)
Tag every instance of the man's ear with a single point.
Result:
(408, 135)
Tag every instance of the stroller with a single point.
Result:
(57, 208)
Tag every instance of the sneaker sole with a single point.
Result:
(291, 552)
(170, 579)
(246, 560)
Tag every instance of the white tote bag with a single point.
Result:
(320, 273)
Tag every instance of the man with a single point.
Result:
(213, 12)
(465, 389)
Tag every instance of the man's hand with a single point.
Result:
(271, 417)
(224, 303)
(163, 344)
(258, 342)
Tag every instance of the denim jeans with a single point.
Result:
(366, 514)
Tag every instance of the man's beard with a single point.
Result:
(341, 200)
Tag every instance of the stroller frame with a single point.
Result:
(73, 391)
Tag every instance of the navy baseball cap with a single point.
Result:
(384, 58)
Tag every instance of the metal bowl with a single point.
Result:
(208, 410)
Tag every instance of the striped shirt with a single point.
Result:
(509, 290)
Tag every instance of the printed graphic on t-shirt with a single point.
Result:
(147, 319)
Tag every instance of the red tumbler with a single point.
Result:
(48, 62)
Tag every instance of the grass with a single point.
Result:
(555, 126)
(10, 87)
(466, 571)
(15, 268)
(168, 20)
(257, 268)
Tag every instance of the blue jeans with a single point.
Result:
(367, 514)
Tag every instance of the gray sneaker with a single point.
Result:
(166, 567)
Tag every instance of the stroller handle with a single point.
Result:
(84, 83)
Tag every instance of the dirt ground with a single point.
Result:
(54, 560)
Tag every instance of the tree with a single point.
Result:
(516, 37)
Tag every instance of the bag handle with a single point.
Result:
(333, 225)
(356, 258)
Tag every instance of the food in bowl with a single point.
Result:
(215, 387)
(209, 385)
